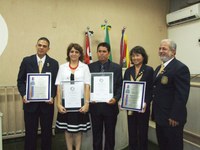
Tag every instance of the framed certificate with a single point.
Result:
(133, 95)
(38, 87)
(72, 94)
(101, 87)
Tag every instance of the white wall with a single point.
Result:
(65, 21)
(187, 37)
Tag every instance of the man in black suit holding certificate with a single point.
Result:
(104, 114)
(170, 94)
(35, 112)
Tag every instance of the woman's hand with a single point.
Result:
(85, 108)
(61, 109)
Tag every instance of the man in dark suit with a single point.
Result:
(38, 111)
(104, 115)
(170, 94)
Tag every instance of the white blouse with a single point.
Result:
(82, 73)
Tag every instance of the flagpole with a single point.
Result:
(88, 28)
(106, 21)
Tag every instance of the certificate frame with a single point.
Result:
(101, 87)
(72, 95)
(38, 87)
(133, 95)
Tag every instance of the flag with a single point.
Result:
(88, 53)
(107, 38)
(124, 53)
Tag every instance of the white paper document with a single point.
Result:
(72, 94)
(102, 87)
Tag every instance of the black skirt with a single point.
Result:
(73, 122)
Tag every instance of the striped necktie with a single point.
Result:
(102, 68)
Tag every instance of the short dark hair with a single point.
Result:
(139, 50)
(44, 39)
(104, 44)
(76, 47)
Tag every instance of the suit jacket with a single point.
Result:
(170, 93)
(30, 65)
(147, 75)
(105, 108)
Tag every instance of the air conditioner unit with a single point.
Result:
(184, 15)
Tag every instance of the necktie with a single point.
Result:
(40, 66)
(102, 68)
(161, 69)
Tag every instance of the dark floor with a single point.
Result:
(57, 144)
(151, 146)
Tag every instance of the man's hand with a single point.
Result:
(173, 123)
(112, 101)
(144, 108)
(50, 102)
(25, 100)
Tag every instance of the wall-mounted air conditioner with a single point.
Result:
(184, 15)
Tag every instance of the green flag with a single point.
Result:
(107, 38)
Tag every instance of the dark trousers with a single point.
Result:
(108, 123)
(31, 126)
(138, 124)
(169, 138)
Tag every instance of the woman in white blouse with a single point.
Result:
(73, 122)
